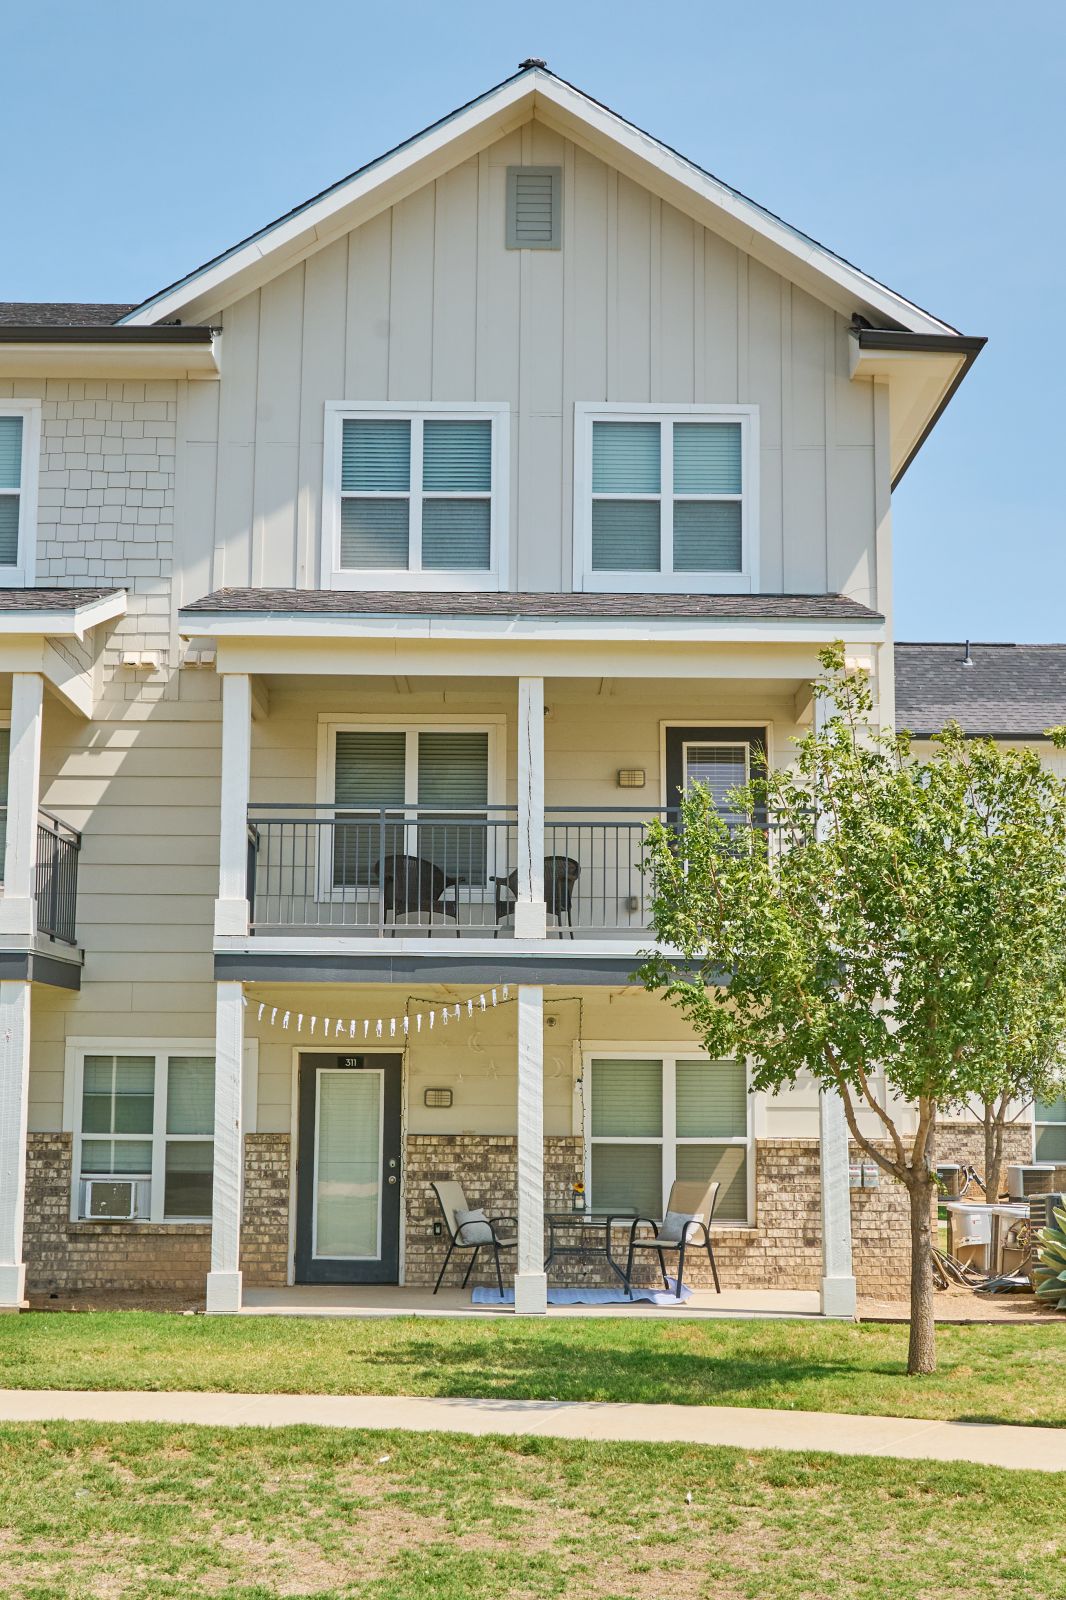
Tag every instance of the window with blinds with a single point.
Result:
(721, 768)
(661, 496)
(11, 435)
(438, 781)
(653, 1119)
(150, 1117)
(534, 208)
(1049, 1117)
(417, 493)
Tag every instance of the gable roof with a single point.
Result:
(60, 314)
(1011, 691)
(533, 90)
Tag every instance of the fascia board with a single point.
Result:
(489, 630)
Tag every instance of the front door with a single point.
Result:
(348, 1169)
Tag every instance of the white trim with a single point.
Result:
(379, 1073)
(333, 576)
(73, 1074)
(346, 626)
(669, 1055)
(459, 136)
(21, 573)
(666, 580)
(562, 950)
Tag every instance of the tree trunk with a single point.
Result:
(921, 1355)
(993, 1173)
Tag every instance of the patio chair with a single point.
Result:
(413, 886)
(689, 1212)
(560, 875)
(471, 1235)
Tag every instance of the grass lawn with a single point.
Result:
(990, 1373)
(145, 1512)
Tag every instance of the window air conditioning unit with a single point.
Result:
(113, 1199)
(1024, 1180)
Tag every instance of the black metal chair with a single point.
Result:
(690, 1209)
(413, 886)
(560, 876)
(470, 1235)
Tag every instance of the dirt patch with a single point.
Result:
(962, 1305)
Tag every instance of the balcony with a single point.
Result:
(56, 878)
(38, 927)
(423, 871)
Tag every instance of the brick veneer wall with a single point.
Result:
(78, 1256)
(265, 1216)
(782, 1251)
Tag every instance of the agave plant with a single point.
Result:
(1051, 1260)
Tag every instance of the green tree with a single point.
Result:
(894, 927)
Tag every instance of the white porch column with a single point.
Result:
(838, 1280)
(224, 1279)
(530, 916)
(531, 1283)
(14, 1097)
(17, 908)
(231, 907)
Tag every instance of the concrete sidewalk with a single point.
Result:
(985, 1444)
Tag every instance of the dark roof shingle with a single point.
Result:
(1013, 690)
(60, 314)
(423, 603)
(51, 599)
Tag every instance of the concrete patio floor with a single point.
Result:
(388, 1300)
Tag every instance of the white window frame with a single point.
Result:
(666, 580)
(161, 1050)
(326, 782)
(413, 576)
(668, 1140)
(22, 573)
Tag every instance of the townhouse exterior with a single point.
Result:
(367, 590)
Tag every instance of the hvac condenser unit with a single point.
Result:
(1034, 1178)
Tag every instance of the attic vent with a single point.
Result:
(533, 207)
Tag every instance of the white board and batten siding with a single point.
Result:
(424, 302)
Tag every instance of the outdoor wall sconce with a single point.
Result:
(631, 778)
(438, 1098)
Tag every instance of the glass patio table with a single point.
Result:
(593, 1236)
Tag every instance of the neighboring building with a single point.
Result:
(1013, 693)
(366, 591)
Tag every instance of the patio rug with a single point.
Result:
(486, 1296)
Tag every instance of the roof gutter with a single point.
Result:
(169, 350)
(161, 333)
(899, 340)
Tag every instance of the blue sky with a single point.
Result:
(923, 139)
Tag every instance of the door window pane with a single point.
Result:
(726, 1163)
(719, 767)
(628, 1177)
(453, 771)
(369, 772)
(189, 1170)
(712, 1101)
(348, 1164)
(627, 1099)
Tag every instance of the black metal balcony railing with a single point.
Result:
(55, 876)
(426, 870)
(56, 888)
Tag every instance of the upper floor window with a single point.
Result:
(20, 428)
(665, 498)
(415, 497)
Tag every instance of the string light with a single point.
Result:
(397, 1026)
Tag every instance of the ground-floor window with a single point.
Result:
(652, 1118)
(144, 1135)
(1049, 1118)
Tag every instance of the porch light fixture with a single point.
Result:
(631, 778)
(438, 1098)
